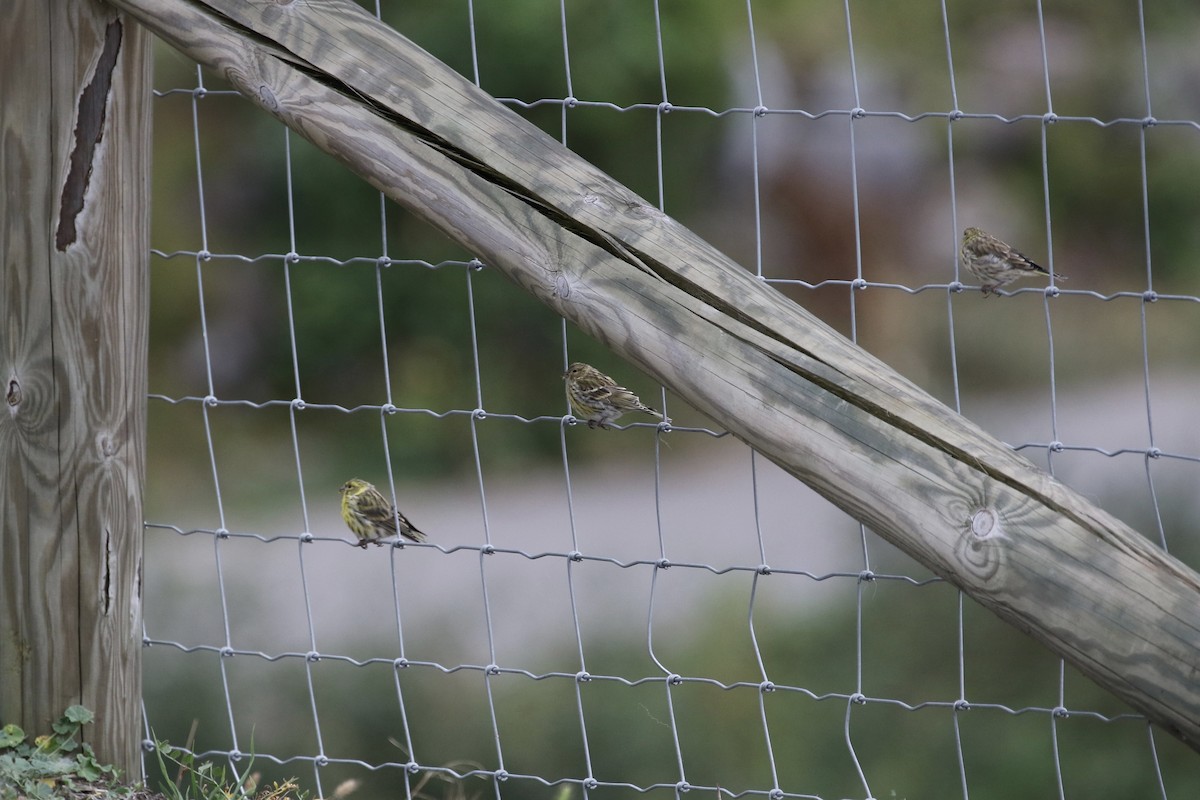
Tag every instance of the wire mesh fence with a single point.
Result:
(656, 609)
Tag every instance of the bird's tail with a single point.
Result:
(412, 533)
(656, 413)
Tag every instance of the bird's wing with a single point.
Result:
(1022, 261)
(604, 391)
(382, 517)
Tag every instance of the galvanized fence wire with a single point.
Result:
(1157, 456)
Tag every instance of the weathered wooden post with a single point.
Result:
(74, 243)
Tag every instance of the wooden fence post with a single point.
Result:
(74, 243)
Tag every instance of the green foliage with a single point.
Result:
(57, 765)
(208, 780)
(52, 763)
(194, 781)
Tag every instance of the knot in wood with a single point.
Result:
(984, 523)
(593, 199)
(562, 287)
(106, 447)
(981, 550)
(267, 97)
(13, 395)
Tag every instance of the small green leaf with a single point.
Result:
(11, 735)
(92, 769)
(79, 715)
(41, 789)
(48, 765)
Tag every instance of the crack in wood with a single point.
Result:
(89, 130)
(849, 396)
(106, 589)
(453, 152)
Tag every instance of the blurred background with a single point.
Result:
(801, 195)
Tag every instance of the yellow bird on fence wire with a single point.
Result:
(371, 516)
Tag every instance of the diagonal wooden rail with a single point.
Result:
(1020, 543)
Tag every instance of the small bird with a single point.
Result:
(597, 398)
(995, 263)
(371, 517)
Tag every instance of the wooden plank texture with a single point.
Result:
(1022, 544)
(74, 233)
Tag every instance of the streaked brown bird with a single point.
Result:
(598, 399)
(995, 263)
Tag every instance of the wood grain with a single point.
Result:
(74, 161)
(1022, 544)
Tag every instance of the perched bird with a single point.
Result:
(371, 516)
(597, 398)
(995, 263)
